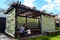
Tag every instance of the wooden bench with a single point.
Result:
(33, 32)
(52, 32)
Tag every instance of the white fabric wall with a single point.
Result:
(48, 23)
(10, 23)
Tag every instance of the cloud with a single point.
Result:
(56, 1)
(49, 1)
(29, 3)
(47, 7)
(51, 6)
(58, 8)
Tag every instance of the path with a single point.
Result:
(4, 37)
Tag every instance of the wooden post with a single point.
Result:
(41, 23)
(26, 18)
(16, 21)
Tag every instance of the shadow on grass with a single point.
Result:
(37, 38)
(42, 37)
(45, 38)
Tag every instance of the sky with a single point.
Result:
(51, 6)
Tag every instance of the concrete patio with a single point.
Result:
(4, 37)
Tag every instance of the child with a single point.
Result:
(28, 32)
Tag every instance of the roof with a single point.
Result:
(23, 10)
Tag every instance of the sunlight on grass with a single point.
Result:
(55, 37)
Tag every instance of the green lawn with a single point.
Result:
(54, 37)
(51, 37)
(33, 23)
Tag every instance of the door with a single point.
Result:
(2, 24)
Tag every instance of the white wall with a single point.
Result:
(48, 23)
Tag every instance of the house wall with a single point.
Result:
(10, 23)
(2, 24)
(47, 23)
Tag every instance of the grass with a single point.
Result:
(58, 28)
(33, 23)
(53, 37)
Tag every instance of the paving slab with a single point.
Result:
(4, 37)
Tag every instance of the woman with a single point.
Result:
(22, 30)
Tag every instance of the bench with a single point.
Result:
(33, 32)
(52, 32)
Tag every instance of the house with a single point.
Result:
(2, 23)
(18, 14)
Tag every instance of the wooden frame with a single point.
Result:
(20, 10)
(17, 12)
